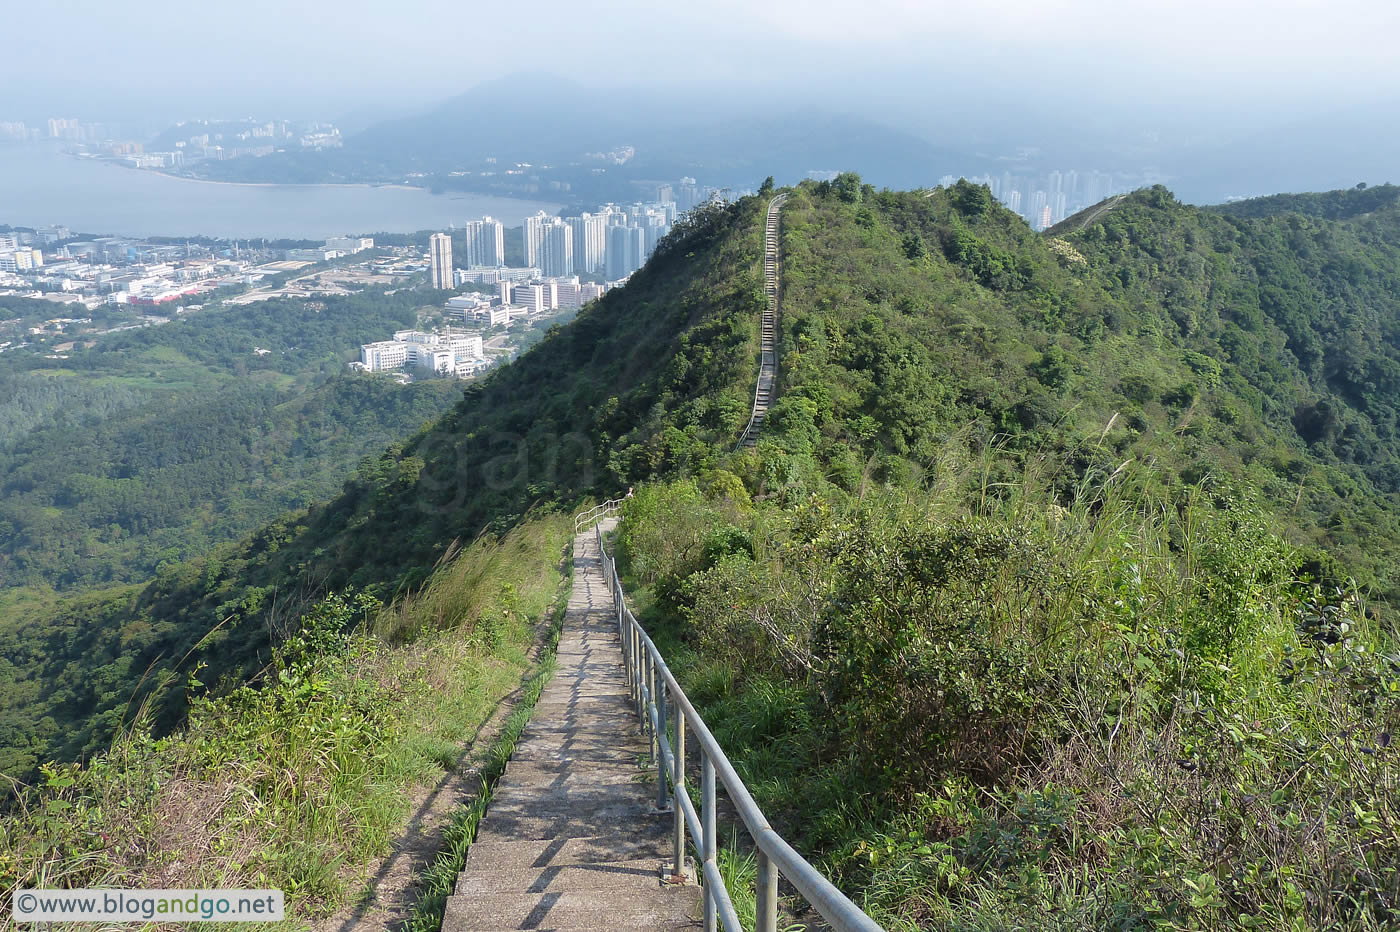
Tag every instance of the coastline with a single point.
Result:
(367, 185)
(45, 185)
(397, 185)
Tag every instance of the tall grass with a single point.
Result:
(300, 783)
(989, 702)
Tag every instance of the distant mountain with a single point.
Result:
(532, 118)
(1336, 150)
(519, 118)
(564, 130)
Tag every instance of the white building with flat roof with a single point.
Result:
(453, 353)
(384, 355)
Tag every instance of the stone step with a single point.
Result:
(653, 926)
(567, 908)
(596, 726)
(579, 797)
(493, 853)
(525, 775)
(598, 697)
(540, 751)
(526, 824)
(580, 747)
(642, 875)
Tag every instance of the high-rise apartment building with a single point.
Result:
(440, 261)
(1039, 201)
(687, 195)
(557, 248)
(532, 230)
(627, 250)
(486, 243)
(590, 242)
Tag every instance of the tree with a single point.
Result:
(847, 187)
(971, 200)
(765, 189)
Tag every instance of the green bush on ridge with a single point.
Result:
(975, 711)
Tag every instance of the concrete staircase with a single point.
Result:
(572, 838)
(768, 364)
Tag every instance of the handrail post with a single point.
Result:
(658, 730)
(641, 674)
(651, 701)
(766, 904)
(636, 673)
(707, 822)
(678, 790)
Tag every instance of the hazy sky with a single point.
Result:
(1218, 59)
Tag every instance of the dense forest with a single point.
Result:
(111, 501)
(1074, 551)
(152, 445)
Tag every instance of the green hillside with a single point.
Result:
(148, 447)
(1060, 582)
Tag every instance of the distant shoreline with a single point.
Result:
(286, 184)
(386, 185)
(260, 184)
(44, 185)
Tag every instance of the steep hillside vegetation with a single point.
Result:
(1059, 583)
(621, 391)
(111, 500)
(1007, 618)
(308, 777)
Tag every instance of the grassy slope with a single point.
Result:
(300, 783)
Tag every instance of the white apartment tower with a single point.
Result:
(590, 242)
(440, 255)
(532, 230)
(486, 243)
(549, 244)
(557, 253)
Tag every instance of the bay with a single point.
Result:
(41, 187)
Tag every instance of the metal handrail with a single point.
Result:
(654, 688)
(597, 513)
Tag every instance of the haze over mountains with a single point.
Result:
(567, 127)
